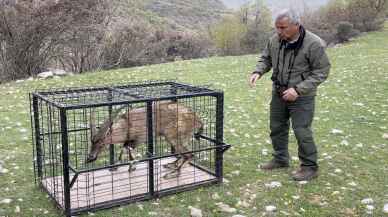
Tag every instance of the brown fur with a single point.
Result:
(175, 122)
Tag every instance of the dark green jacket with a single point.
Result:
(310, 68)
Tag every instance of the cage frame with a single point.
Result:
(220, 145)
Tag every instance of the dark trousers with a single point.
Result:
(301, 113)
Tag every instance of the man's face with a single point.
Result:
(285, 29)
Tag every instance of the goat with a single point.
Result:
(175, 122)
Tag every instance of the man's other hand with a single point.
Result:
(290, 95)
(253, 78)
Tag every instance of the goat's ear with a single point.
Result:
(92, 123)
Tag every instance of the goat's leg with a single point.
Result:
(127, 147)
(174, 164)
(179, 162)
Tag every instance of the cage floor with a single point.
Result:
(103, 185)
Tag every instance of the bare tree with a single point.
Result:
(34, 33)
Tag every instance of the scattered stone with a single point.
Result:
(369, 209)
(367, 201)
(6, 201)
(274, 184)
(242, 203)
(226, 208)
(237, 172)
(336, 131)
(385, 136)
(303, 182)
(238, 216)
(59, 72)
(270, 208)
(215, 196)
(385, 209)
(17, 209)
(45, 75)
(194, 212)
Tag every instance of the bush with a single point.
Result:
(243, 32)
(345, 31)
(341, 19)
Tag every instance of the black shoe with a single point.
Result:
(273, 164)
(305, 174)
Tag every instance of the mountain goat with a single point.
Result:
(175, 122)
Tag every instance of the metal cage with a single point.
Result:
(63, 122)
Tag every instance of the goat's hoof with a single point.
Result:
(131, 168)
(113, 169)
(171, 175)
(90, 159)
(170, 166)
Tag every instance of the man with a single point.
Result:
(299, 64)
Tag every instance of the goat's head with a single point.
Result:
(98, 137)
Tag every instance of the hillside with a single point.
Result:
(350, 127)
(186, 13)
(275, 5)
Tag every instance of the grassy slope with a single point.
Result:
(354, 164)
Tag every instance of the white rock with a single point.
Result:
(367, 201)
(369, 209)
(352, 184)
(273, 184)
(270, 208)
(237, 172)
(385, 209)
(359, 145)
(45, 75)
(385, 136)
(336, 131)
(303, 182)
(226, 208)
(59, 72)
(238, 216)
(153, 213)
(344, 142)
(215, 196)
(17, 209)
(194, 212)
(6, 201)
(242, 203)
(338, 170)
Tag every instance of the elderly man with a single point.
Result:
(299, 64)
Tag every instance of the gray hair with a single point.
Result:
(290, 14)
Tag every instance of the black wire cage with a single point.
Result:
(100, 147)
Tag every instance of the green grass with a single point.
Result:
(353, 165)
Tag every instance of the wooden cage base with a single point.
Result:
(106, 185)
